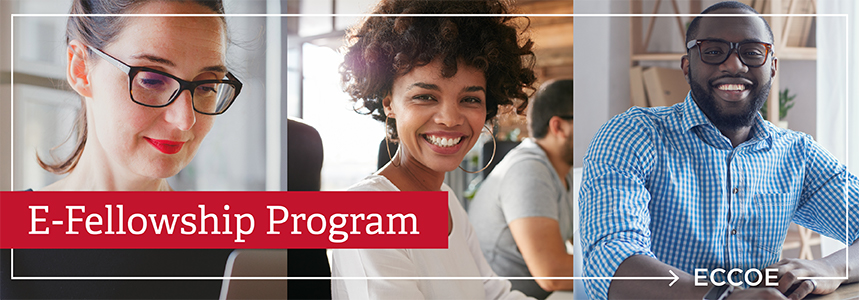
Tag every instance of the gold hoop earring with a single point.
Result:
(491, 157)
(388, 141)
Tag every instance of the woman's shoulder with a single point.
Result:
(373, 183)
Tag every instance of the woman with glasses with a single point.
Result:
(150, 87)
(150, 90)
(435, 82)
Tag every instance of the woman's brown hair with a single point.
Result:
(98, 32)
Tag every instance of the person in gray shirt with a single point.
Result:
(523, 211)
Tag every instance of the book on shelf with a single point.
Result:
(664, 87)
(798, 30)
(637, 88)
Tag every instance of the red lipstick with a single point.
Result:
(165, 146)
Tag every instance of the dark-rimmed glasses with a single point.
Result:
(154, 88)
(715, 52)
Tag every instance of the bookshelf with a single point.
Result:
(792, 35)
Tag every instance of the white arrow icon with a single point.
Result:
(674, 278)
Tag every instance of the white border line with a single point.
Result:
(334, 278)
(11, 102)
(422, 15)
(12, 118)
(347, 278)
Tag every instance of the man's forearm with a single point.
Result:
(561, 266)
(646, 266)
(839, 259)
(539, 240)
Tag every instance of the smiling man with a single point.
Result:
(708, 184)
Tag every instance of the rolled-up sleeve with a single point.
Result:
(829, 201)
(614, 216)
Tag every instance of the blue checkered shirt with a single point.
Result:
(665, 183)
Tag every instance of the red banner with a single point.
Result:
(223, 220)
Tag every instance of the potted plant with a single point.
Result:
(786, 102)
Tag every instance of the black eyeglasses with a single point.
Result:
(566, 117)
(154, 88)
(715, 52)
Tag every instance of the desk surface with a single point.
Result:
(844, 292)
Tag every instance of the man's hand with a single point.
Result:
(646, 266)
(758, 293)
(788, 271)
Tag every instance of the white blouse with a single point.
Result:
(463, 258)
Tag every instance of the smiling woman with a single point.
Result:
(435, 82)
(442, 116)
(150, 87)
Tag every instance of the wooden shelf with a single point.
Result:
(657, 56)
(552, 37)
(797, 53)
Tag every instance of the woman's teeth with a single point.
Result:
(442, 142)
(731, 87)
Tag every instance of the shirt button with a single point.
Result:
(734, 232)
(735, 190)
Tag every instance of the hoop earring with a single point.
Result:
(491, 157)
(388, 141)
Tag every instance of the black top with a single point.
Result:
(112, 263)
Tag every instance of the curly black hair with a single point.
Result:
(383, 47)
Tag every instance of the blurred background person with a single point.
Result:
(523, 211)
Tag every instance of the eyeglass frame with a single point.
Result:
(733, 47)
(183, 84)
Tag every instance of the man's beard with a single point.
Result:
(722, 120)
(568, 153)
